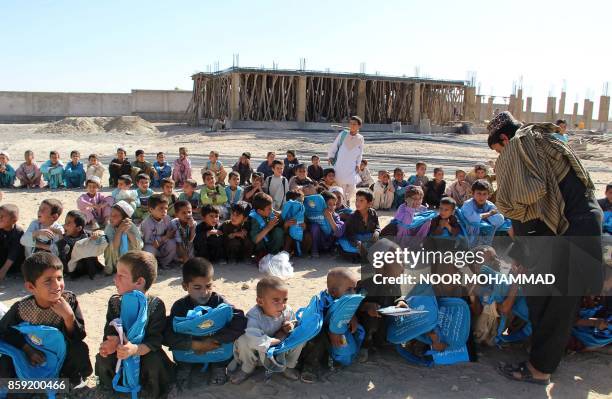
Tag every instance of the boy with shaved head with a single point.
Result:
(340, 281)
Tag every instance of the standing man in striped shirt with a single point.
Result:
(546, 191)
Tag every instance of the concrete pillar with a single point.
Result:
(469, 105)
(587, 113)
(528, 115)
(519, 105)
(604, 112)
(361, 99)
(574, 120)
(478, 110)
(416, 104)
(489, 114)
(550, 109)
(234, 98)
(301, 99)
(512, 104)
(561, 113)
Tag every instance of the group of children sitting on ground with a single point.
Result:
(255, 213)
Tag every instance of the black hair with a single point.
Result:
(208, 209)
(327, 195)
(139, 152)
(436, 170)
(142, 176)
(157, 199)
(78, 217)
(481, 185)
(367, 194)
(197, 267)
(261, 201)
(126, 179)
(242, 207)
(608, 187)
(74, 152)
(178, 205)
(560, 121)
(232, 174)
(397, 170)
(276, 162)
(509, 129)
(327, 171)
(293, 195)
(36, 264)
(167, 180)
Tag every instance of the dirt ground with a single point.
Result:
(386, 375)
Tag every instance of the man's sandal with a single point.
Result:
(509, 370)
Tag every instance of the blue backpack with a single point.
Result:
(314, 205)
(519, 309)
(133, 320)
(607, 222)
(346, 245)
(338, 317)
(448, 317)
(590, 336)
(295, 210)
(310, 322)
(49, 340)
(257, 218)
(418, 220)
(204, 321)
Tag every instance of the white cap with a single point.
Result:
(125, 207)
(95, 179)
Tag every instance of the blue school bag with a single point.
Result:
(607, 222)
(449, 317)
(295, 210)
(337, 318)
(590, 336)
(418, 220)
(50, 341)
(204, 321)
(346, 245)
(498, 294)
(314, 206)
(133, 319)
(257, 218)
(310, 323)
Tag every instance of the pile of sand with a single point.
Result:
(131, 124)
(72, 125)
(88, 125)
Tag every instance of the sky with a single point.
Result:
(116, 46)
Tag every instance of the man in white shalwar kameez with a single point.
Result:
(347, 151)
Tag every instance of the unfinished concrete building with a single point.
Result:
(299, 97)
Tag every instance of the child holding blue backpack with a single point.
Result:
(142, 320)
(269, 322)
(341, 282)
(198, 275)
(52, 313)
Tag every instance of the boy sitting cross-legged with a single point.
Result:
(136, 273)
(185, 228)
(45, 231)
(198, 276)
(208, 241)
(266, 231)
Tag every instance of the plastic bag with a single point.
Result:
(277, 265)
